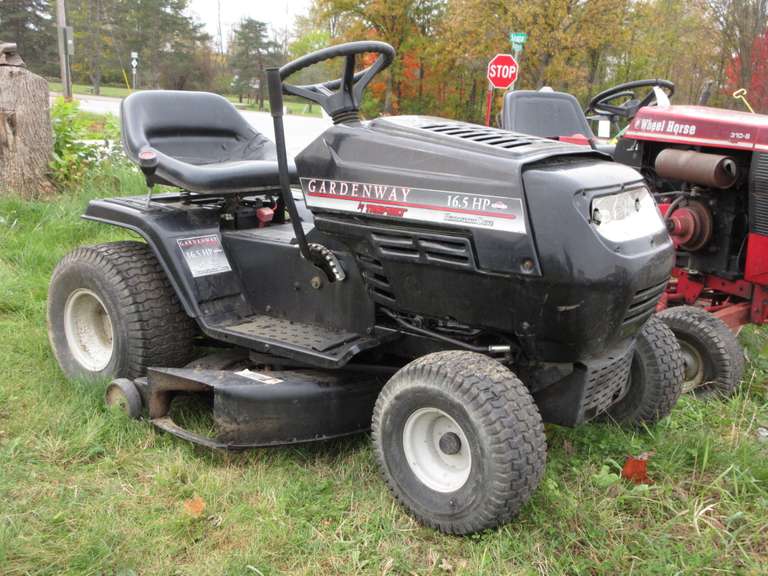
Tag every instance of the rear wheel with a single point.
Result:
(459, 441)
(112, 313)
(714, 360)
(656, 377)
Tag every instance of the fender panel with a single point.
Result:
(161, 225)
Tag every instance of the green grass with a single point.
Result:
(295, 106)
(84, 490)
(87, 89)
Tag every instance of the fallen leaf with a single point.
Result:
(194, 506)
(636, 468)
(446, 566)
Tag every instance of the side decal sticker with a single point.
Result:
(204, 255)
(420, 204)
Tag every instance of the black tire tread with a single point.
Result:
(160, 332)
(658, 344)
(506, 410)
(724, 349)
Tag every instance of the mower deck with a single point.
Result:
(256, 409)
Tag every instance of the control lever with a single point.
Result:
(320, 256)
(148, 162)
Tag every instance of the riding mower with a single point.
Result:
(708, 170)
(443, 283)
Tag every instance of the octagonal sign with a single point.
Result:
(502, 70)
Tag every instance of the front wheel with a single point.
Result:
(459, 441)
(113, 313)
(655, 379)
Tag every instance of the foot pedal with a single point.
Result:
(318, 345)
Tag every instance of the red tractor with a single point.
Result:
(708, 170)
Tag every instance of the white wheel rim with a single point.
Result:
(440, 471)
(88, 329)
(694, 367)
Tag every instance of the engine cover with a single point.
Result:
(489, 229)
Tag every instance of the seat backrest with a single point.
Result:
(193, 127)
(544, 114)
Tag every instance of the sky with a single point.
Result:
(277, 13)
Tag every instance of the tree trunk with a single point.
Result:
(26, 139)
(388, 95)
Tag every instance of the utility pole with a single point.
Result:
(64, 48)
(219, 34)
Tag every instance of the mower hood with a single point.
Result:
(701, 126)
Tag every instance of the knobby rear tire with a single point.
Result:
(148, 324)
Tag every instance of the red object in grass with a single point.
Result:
(636, 469)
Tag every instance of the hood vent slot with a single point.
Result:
(643, 304)
(483, 135)
(454, 251)
(398, 246)
(376, 280)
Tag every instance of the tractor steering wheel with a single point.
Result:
(601, 104)
(340, 98)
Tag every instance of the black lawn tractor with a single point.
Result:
(708, 171)
(440, 282)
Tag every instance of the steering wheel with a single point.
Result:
(341, 96)
(601, 104)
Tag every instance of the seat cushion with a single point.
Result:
(202, 142)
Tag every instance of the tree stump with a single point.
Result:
(26, 138)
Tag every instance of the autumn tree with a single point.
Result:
(741, 22)
(758, 74)
(393, 21)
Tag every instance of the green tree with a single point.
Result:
(31, 25)
(89, 19)
(251, 53)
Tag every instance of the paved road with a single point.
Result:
(299, 130)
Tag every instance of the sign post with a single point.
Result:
(134, 66)
(518, 40)
(502, 73)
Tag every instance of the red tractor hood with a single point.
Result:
(701, 126)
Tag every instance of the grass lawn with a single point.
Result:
(87, 89)
(293, 104)
(84, 490)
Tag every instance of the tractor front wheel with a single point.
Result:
(459, 441)
(655, 378)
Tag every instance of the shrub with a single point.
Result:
(73, 153)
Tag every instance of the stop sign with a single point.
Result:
(502, 70)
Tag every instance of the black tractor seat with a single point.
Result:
(202, 142)
(548, 115)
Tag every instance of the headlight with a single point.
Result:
(626, 216)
